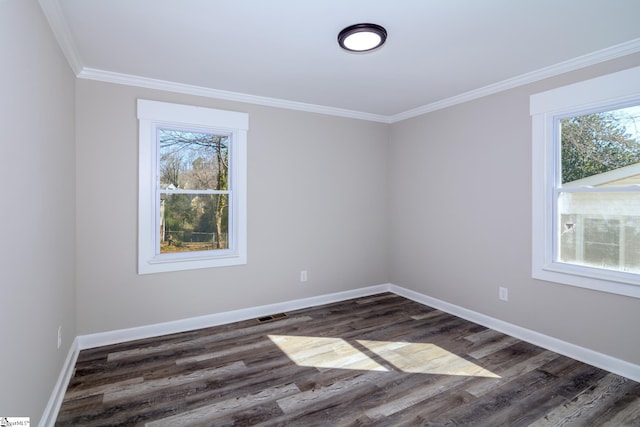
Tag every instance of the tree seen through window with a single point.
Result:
(193, 191)
(600, 142)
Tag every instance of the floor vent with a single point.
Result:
(271, 317)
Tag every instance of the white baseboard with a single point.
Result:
(594, 358)
(123, 335)
(57, 396)
(82, 342)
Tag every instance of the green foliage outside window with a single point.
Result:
(596, 143)
(193, 191)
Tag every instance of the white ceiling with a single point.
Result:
(285, 53)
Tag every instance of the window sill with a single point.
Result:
(589, 278)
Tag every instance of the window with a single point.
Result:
(586, 184)
(192, 187)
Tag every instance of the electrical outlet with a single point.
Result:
(59, 336)
(503, 294)
(303, 276)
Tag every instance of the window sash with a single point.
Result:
(595, 211)
(231, 231)
(558, 188)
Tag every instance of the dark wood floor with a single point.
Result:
(380, 360)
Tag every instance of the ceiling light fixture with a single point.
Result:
(362, 37)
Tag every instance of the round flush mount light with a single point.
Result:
(362, 37)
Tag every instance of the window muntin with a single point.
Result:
(560, 231)
(192, 207)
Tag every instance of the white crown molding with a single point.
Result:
(613, 52)
(53, 13)
(131, 80)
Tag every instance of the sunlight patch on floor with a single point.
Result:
(321, 352)
(425, 358)
(421, 358)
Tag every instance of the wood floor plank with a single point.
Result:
(209, 413)
(381, 360)
(499, 344)
(414, 397)
(602, 395)
(196, 342)
(628, 415)
(514, 371)
(337, 390)
(157, 385)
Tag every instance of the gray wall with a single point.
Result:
(440, 204)
(37, 213)
(461, 221)
(317, 201)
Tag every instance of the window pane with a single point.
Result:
(191, 223)
(193, 160)
(602, 242)
(593, 144)
(600, 230)
(630, 245)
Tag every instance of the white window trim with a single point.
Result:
(152, 114)
(610, 90)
